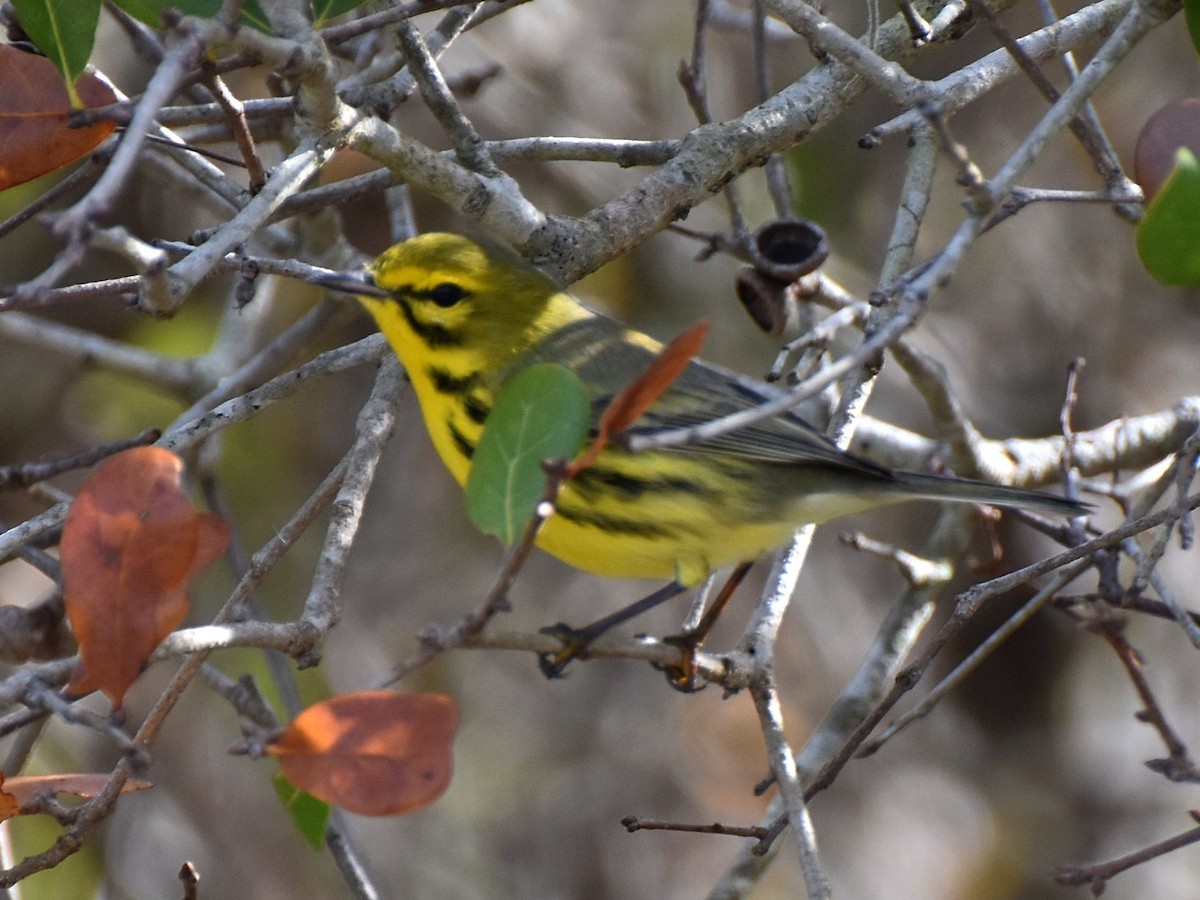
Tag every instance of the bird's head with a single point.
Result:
(446, 292)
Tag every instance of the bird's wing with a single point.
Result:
(705, 392)
(604, 357)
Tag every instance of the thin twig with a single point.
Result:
(691, 77)
(235, 118)
(776, 171)
(634, 823)
(1097, 875)
(1136, 24)
(883, 74)
(783, 766)
(967, 604)
(976, 657)
(322, 607)
(25, 474)
(90, 169)
(1083, 126)
(970, 82)
(469, 147)
(74, 223)
(1178, 766)
(286, 179)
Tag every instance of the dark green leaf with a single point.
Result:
(324, 10)
(150, 11)
(64, 30)
(253, 15)
(310, 815)
(1168, 237)
(1191, 12)
(541, 414)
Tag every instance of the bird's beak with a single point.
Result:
(361, 284)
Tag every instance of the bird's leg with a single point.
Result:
(575, 640)
(683, 676)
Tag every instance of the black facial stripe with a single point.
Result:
(434, 335)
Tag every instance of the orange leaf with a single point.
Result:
(131, 545)
(375, 753)
(35, 134)
(24, 789)
(9, 805)
(640, 394)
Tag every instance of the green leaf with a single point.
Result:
(1191, 12)
(324, 10)
(543, 413)
(253, 15)
(150, 11)
(310, 815)
(1168, 237)
(64, 30)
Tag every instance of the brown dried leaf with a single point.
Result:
(24, 789)
(35, 134)
(375, 753)
(9, 805)
(1173, 126)
(131, 546)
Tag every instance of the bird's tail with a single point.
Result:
(964, 490)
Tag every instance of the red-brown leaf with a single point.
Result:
(35, 135)
(374, 753)
(131, 546)
(641, 393)
(9, 804)
(23, 789)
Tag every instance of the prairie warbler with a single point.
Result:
(463, 318)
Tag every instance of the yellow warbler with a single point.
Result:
(463, 318)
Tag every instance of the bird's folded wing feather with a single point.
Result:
(600, 353)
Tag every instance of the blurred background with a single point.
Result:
(1036, 761)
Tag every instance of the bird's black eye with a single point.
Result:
(447, 294)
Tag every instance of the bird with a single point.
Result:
(465, 316)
